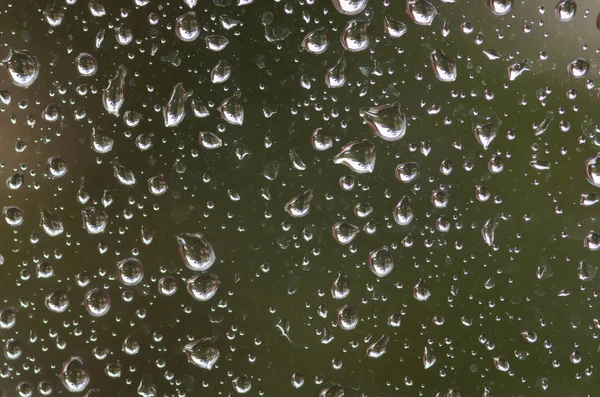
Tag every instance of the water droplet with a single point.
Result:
(591, 241)
(210, 141)
(500, 7)
(86, 64)
(232, 110)
(196, 252)
(187, 27)
(347, 318)
(202, 353)
(174, 111)
(221, 72)
(320, 140)
(359, 156)
(130, 271)
(501, 364)
(355, 35)
(421, 291)
(53, 17)
(350, 7)
(74, 375)
(113, 95)
(51, 225)
(443, 66)
(57, 301)
(404, 212)
(336, 75)
(422, 12)
(379, 347)
(488, 231)
(429, 358)
(242, 384)
(22, 67)
(517, 69)
(565, 10)
(586, 271)
(340, 288)
(94, 220)
(216, 42)
(123, 175)
(387, 121)
(8, 318)
(381, 261)
(167, 286)
(100, 141)
(344, 232)
(203, 286)
(13, 216)
(407, 172)
(592, 169)
(297, 380)
(578, 67)
(299, 205)
(393, 27)
(97, 302)
(316, 42)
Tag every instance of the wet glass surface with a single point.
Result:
(311, 197)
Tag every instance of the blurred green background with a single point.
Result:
(482, 297)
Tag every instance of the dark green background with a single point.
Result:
(250, 303)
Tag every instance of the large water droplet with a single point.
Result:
(299, 205)
(359, 156)
(340, 288)
(501, 364)
(316, 42)
(347, 318)
(174, 111)
(57, 301)
(125, 176)
(578, 67)
(187, 27)
(429, 357)
(113, 95)
(97, 302)
(344, 232)
(94, 220)
(565, 10)
(488, 231)
(393, 27)
(22, 67)
(196, 251)
(336, 75)
(443, 66)
(379, 347)
(592, 169)
(232, 110)
(350, 7)
(130, 271)
(381, 261)
(50, 223)
(13, 216)
(387, 121)
(500, 7)
(74, 375)
(355, 35)
(421, 291)
(221, 72)
(202, 353)
(422, 12)
(203, 286)
(404, 212)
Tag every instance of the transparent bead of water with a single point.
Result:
(232, 109)
(130, 271)
(23, 68)
(422, 12)
(381, 261)
(358, 156)
(86, 64)
(299, 206)
(347, 318)
(336, 75)
(203, 286)
(350, 7)
(203, 353)
(196, 251)
(404, 212)
(443, 66)
(386, 121)
(174, 110)
(74, 375)
(344, 232)
(340, 288)
(187, 27)
(316, 42)
(355, 35)
(113, 95)
(97, 302)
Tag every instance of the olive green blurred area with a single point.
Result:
(516, 317)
